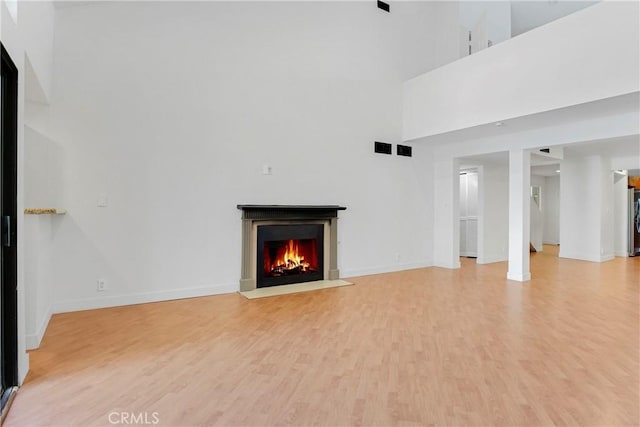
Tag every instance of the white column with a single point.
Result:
(586, 208)
(519, 214)
(446, 213)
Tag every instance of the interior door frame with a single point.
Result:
(8, 209)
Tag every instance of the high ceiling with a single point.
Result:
(527, 15)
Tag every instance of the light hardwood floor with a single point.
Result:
(420, 347)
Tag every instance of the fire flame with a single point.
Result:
(291, 258)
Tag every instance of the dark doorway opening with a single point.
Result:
(8, 237)
(289, 254)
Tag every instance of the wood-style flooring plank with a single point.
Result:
(420, 347)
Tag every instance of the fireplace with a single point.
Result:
(292, 253)
(288, 244)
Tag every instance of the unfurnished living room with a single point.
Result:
(336, 213)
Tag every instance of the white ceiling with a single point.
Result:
(581, 112)
(539, 165)
(490, 159)
(545, 166)
(546, 170)
(615, 147)
(527, 15)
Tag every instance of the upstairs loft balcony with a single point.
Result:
(589, 56)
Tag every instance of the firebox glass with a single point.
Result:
(290, 257)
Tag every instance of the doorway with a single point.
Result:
(8, 237)
(469, 213)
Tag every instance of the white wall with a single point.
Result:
(38, 232)
(42, 184)
(607, 239)
(620, 215)
(586, 207)
(551, 211)
(498, 17)
(43, 187)
(447, 33)
(28, 36)
(37, 18)
(537, 214)
(494, 205)
(171, 110)
(554, 66)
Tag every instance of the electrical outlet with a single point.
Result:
(102, 285)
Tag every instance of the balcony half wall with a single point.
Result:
(591, 55)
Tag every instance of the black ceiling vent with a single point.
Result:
(403, 150)
(384, 6)
(382, 148)
(544, 150)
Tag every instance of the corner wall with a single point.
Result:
(28, 37)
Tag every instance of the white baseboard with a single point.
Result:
(452, 266)
(33, 340)
(142, 298)
(23, 366)
(622, 253)
(491, 259)
(519, 277)
(385, 269)
(586, 257)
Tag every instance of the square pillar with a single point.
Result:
(519, 214)
(446, 213)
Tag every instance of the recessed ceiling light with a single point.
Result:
(557, 170)
(499, 124)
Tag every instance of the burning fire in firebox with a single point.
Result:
(291, 257)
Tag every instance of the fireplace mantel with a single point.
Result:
(252, 215)
(286, 212)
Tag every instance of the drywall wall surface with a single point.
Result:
(26, 35)
(620, 215)
(495, 207)
(551, 211)
(498, 18)
(537, 214)
(36, 18)
(586, 207)
(169, 112)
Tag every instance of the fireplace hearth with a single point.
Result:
(286, 244)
